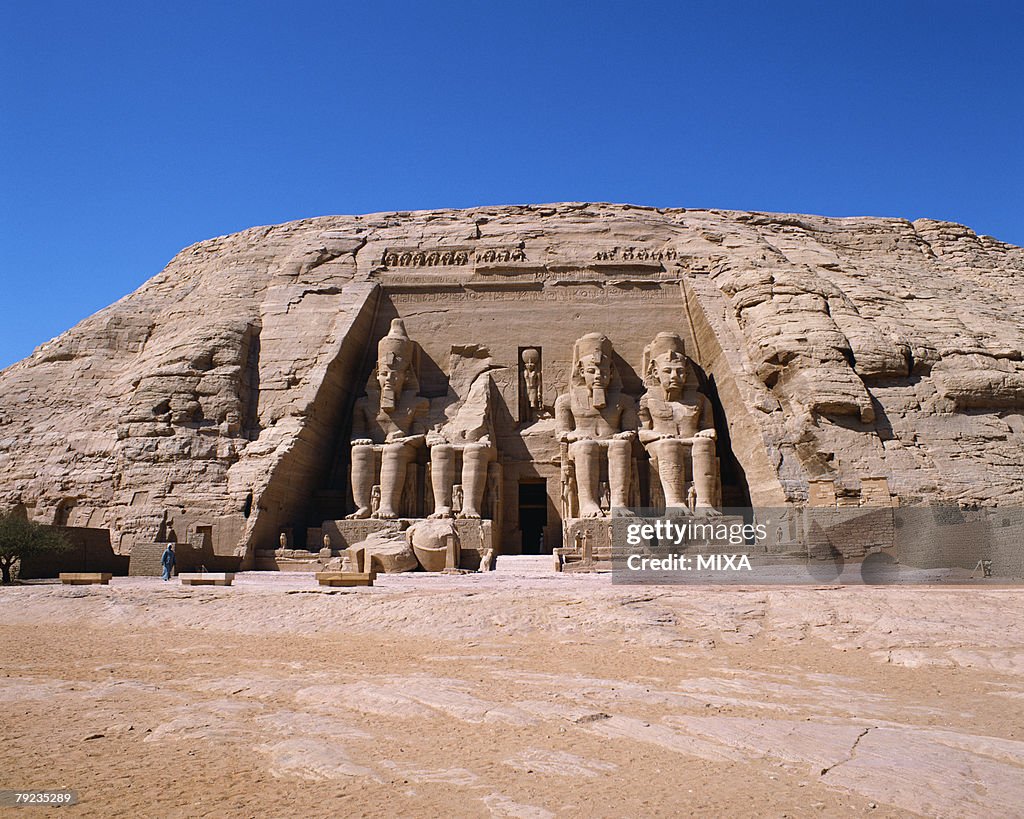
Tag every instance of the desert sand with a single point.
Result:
(513, 695)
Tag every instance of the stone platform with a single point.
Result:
(291, 560)
(528, 565)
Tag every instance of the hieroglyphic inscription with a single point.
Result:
(415, 281)
(406, 294)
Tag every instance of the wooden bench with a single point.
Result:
(206, 578)
(345, 578)
(85, 578)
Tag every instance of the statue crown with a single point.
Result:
(395, 345)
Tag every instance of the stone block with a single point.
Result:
(85, 578)
(346, 578)
(206, 578)
(821, 493)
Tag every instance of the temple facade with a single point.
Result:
(509, 377)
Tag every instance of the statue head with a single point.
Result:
(593, 366)
(666, 364)
(394, 364)
(531, 359)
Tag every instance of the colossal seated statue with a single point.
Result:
(388, 423)
(677, 424)
(469, 434)
(596, 418)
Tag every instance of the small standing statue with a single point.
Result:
(677, 424)
(570, 500)
(534, 383)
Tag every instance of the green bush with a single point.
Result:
(20, 538)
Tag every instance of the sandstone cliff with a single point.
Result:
(214, 398)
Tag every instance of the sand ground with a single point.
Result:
(509, 695)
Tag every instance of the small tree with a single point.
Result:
(20, 538)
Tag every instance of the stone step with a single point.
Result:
(273, 576)
(525, 564)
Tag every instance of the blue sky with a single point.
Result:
(130, 130)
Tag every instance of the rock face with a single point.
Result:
(215, 401)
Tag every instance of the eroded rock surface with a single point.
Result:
(215, 397)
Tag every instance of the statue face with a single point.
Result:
(671, 373)
(596, 373)
(391, 375)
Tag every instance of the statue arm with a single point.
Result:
(360, 425)
(487, 434)
(419, 418)
(707, 419)
(418, 426)
(628, 420)
(646, 431)
(564, 422)
(435, 435)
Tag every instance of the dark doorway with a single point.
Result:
(533, 516)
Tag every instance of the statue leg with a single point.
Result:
(475, 458)
(585, 455)
(392, 479)
(442, 476)
(620, 457)
(704, 478)
(362, 480)
(671, 454)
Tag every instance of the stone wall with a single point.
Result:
(90, 552)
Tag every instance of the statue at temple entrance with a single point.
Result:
(388, 424)
(533, 383)
(596, 420)
(469, 436)
(677, 425)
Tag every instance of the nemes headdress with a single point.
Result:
(598, 347)
(592, 345)
(669, 344)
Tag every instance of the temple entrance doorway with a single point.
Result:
(533, 516)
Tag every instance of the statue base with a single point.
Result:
(588, 545)
(289, 560)
(476, 537)
(589, 541)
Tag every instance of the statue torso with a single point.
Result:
(401, 419)
(681, 418)
(599, 423)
